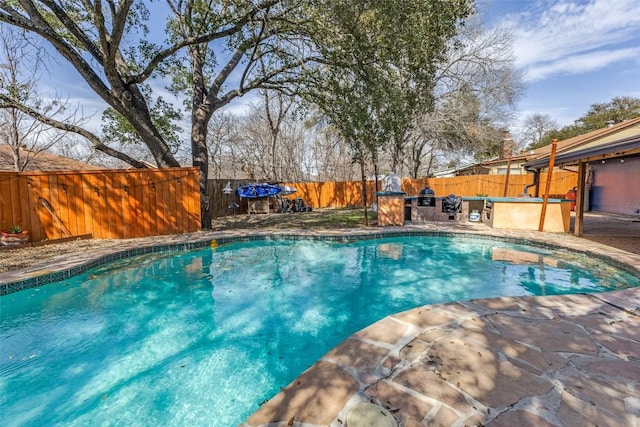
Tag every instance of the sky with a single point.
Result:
(573, 53)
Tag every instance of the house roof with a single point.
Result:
(41, 161)
(522, 157)
(615, 140)
(618, 140)
(474, 168)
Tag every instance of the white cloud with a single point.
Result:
(577, 64)
(554, 36)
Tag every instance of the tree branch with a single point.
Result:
(36, 23)
(6, 102)
(67, 22)
(190, 41)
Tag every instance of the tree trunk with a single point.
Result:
(274, 140)
(200, 156)
(415, 157)
(375, 177)
(364, 192)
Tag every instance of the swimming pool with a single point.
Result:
(202, 337)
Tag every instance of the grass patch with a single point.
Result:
(317, 219)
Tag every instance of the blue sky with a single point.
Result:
(573, 53)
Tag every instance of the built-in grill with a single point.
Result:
(427, 197)
(452, 204)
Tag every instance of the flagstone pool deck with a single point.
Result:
(570, 360)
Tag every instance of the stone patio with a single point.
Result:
(552, 361)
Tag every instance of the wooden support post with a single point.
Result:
(545, 199)
(579, 216)
(506, 179)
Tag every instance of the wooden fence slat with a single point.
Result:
(87, 203)
(167, 226)
(106, 200)
(131, 205)
(121, 204)
(143, 193)
(171, 204)
(145, 190)
(149, 200)
(65, 208)
(194, 200)
(161, 205)
(10, 206)
(137, 195)
(74, 195)
(178, 188)
(37, 229)
(52, 210)
(153, 204)
(96, 212)
(6, 214)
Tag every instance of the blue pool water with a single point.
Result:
(202, 338)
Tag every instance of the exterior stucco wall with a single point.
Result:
(616, 186)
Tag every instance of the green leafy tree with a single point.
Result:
(164, 116)
(389, 53)
(91, 37)
(616, 111)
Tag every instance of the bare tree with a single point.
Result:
(293, 150)
(268, 143)
(75, 147)
(276, 108)
(21, 65)
(271, 141)
(476, 92)
(333, 156)
(536, 127)
(222, 141)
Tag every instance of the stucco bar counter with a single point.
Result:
(432, 211)
(524, 213)
(390, 208)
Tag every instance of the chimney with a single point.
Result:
(507, 145)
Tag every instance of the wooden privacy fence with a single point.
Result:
(106, 204)
(493, 185)
(148, 202)
(315, 194)
(348, 194)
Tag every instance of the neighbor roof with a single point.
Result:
(42, 161)
(620, 139)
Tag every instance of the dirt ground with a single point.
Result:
(622, 232)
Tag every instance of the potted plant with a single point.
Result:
(15, 235)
